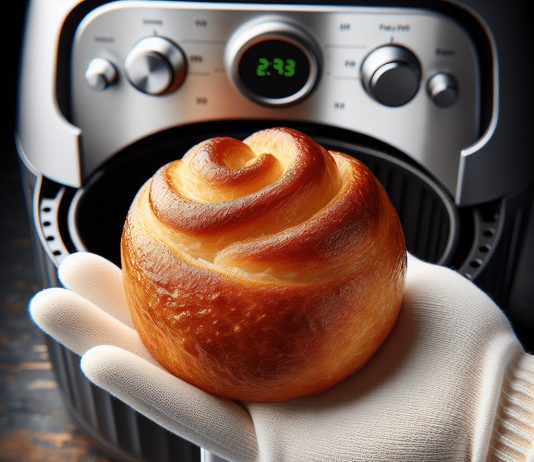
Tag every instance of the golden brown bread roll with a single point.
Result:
(263, 270)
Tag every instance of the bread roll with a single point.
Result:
(265, 269)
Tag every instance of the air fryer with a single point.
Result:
(101, 131)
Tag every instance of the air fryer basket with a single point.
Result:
(97, 212)
(91, 219)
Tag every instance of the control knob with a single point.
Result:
(443, 89)
(100, 74)
(391, 75)
(155, 66)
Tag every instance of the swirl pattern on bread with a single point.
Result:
(265, 269)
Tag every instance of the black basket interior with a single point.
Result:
(98, 210)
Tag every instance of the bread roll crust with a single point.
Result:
(263, 270)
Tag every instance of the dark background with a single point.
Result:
(33, 423)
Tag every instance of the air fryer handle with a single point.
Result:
(499, 163)
(48, 143)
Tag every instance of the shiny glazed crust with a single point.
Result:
(265, 269)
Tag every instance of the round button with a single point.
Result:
(443, 89)
(155, 66)
(391, 75)
(273, 63)
(100, 74)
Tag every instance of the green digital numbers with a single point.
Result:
(263, 65)
(278, 65)
(289, 68)
(282, 67)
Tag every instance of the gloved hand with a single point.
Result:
(451, 383)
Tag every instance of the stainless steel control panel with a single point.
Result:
(407, 77)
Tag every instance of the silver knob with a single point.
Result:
(391, 75)
(443, 89)
(100, 74)
(155, 66)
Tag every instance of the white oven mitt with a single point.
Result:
(451, 383)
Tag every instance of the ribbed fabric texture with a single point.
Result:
(513, 438)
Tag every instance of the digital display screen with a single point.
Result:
(274, 69)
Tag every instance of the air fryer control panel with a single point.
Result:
(407, 77)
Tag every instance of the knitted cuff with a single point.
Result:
(513, 438)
